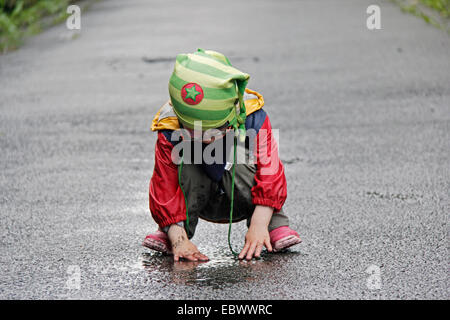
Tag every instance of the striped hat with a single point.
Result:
(204, 86)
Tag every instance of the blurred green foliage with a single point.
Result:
(439, 15)
(21, 18)
(442, 6)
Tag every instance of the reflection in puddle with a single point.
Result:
(221, 271)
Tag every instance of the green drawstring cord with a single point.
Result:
(180, 168)
(232, 199)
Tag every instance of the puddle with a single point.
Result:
(409, 198)
(223, 269)
(172, 59)
(158, 59)
(291, 161)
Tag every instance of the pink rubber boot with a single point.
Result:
(158, 241)
(283, 237)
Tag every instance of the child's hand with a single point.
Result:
(256, 237)
(182, 247)
(258, 234)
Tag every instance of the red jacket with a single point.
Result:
(166, 199)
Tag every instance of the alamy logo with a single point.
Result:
(74, 277)
(374, 20)
(374, 279)
(73, 22)
(262, 146)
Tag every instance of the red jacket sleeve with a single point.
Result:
(166, 200)
(270, 188)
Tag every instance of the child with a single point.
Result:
(206, 92)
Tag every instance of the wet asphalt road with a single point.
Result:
(364, 118)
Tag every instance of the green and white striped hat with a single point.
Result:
(204, 86)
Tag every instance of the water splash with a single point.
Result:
(223, 269)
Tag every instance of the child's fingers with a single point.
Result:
(251, 251)
(258, 250)
(268, 245)
(244, 250)
(191, 257)
(201, 256)
(176, 258)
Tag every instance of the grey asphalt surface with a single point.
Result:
(364, 133)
